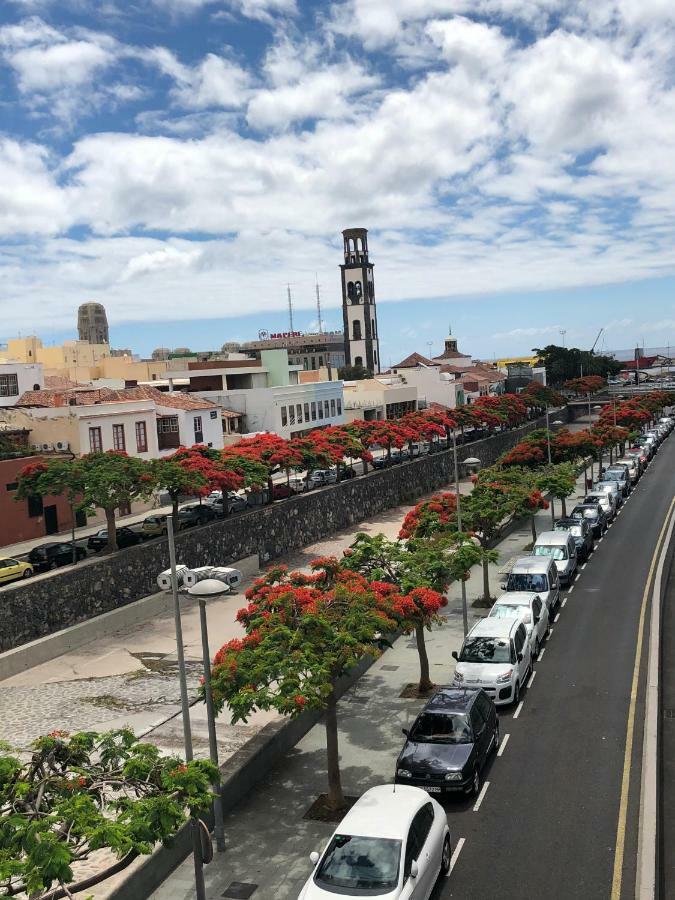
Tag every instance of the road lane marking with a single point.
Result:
(503, 744)
(600, 541)
(529, 683)
(455, 855)
(541, 653)
(585, 564)
(481, 796)
(630, 727)
(518, 709)
(550, 632)
(557, 616)
(570, 590)
(564, 602)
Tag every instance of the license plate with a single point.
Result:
(432, 790)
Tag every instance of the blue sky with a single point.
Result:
(181, 161)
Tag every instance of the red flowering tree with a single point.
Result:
(588, 384)
(520, 485)
(431, 516)
(303, 633)
(525, 454)
(196, 471)
(417, 573)
(538, 396)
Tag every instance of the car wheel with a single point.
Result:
(53, 564)
(27, 573)
(535, 652)
(497, 739)
(475, 784)
(446, 856)
(516, 693)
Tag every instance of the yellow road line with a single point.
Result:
(628, 753)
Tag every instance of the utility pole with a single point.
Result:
(290, 307)
(465, 613)
(563, 332)
(318, 304)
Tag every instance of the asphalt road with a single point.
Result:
(546, 826)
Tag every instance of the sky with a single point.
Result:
(182, 161)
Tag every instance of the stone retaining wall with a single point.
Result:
(51, 602)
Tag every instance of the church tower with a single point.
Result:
(362, 344)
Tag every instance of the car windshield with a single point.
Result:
(433, 728)
(510, 611)
(552, 552)
(586, 512)
(523, 581)
(576, 530)
(485, 650)
(359, 863)
(597, 498)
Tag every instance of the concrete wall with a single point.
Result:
(49, 603)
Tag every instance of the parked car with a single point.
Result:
(530, 609)
(495, 656)
(639, 455)
(594, 515)
(347, 472)
(449, 743)
(605, 502)
(646, 445)
(632, 466)
(609, 487)
(537, 574)
(154, 526)
(195, 514)
(581, 531)
(320, 477)
(281, 491)
(395, 840)
(383, 462)
(621, 476)
(51, 556)
(562, 549)
(125, 538)
(13, 569)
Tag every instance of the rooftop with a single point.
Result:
(55, 398)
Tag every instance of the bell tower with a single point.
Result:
(359, 314)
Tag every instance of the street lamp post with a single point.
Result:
(548, 438)
(200, 887)
(465, 614)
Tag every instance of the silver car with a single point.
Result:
(605, 502)
(612, 489)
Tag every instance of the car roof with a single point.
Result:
(551, 537)
(585, 506)
(451, 700)
(519, 598)
(384, 811)
(536, 564)
(494, 628)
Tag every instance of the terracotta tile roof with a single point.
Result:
(89, 397)
(230, 414)
(61, 383)
(415, 359)
(644, 362)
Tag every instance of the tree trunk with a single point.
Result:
(425, 681)
(270, 485)
(486, 582)
(533, 525)
(552, 512)
(563, 500)
(112, 534)
(174, 509)
(336, 798)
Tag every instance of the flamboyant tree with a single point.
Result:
(73, 795)
(303, 633)
(538, 396)
(195, 470)
(559, 481)
(588, 384)
(54, 477)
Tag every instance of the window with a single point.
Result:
(306, 412)
(35, 506)
(214, 414)
(332, 408)
(167, 424)
(356, 330)
(339, 406)
(536, 607)
(298, 412)
(9, 386)
(419, 831)
(477, 721)
(351, 861)
(320, 361)
(141, 437)
(95, 442)
(284, 416)
(326, 408)
(119, 442)
(359, 361)
(313, 411)
(320, 406)
(314, 362)
(199, 430)
(372, 327)
(436, 728)
(12, 486)
(375, 356)
(291, 415)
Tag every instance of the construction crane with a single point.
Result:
(595, 342)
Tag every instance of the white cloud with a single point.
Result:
(169, 257)
(262, 10)
(47, 69)
(214, 82)
(31, 201)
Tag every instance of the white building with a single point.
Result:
(432, 384)
(377, 399)
(18, 377)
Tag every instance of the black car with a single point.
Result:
(594, 515)
(582, 532)
(50, 556)
(450, 742)
(198, 514)
(125, 538)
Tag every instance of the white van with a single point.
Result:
(559, 546)
(538, 574)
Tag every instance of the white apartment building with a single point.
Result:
(16, 378)
(377, 399)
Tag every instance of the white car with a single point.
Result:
(392, 844)
(529, 607)
(495, 656)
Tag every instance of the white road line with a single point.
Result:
(564, 602)
(599, 542)
(557, 616)
(584, 565)
(503, 744)
(529, 683)
(481, 796)
(455, 854)
(550, 632)
(570, 590)
(518, 709)
(541, 653)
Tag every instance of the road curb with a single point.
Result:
(648, 816)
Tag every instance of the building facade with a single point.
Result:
(16, 378)
(378, 399)
(359, 312)
(92, 323)
(23, 520)
(310, 351)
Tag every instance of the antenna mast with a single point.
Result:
(290, 307)
(318, 304)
